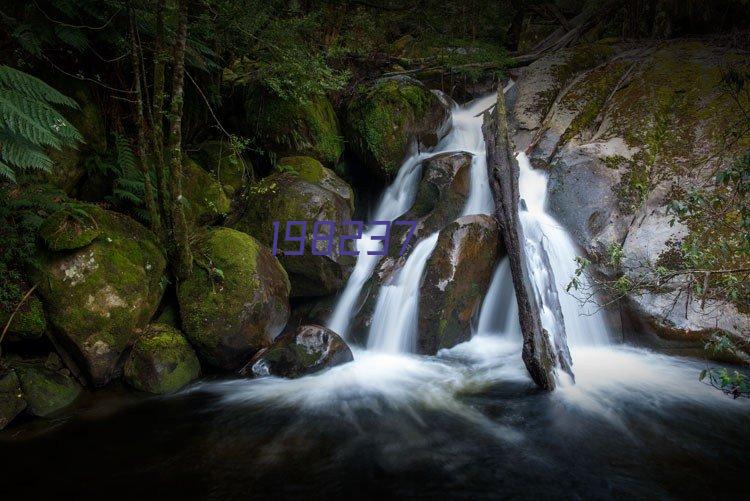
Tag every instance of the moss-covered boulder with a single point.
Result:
(386, 119)
(161, 361)
(310, 170)
(29, 322)
(456, 278)
(206, 200)
(45, 390)
(237, 299)
(287, 127)
(230, 169)
(12, 402)
(306, 350)
(100, 296)
(302, 189)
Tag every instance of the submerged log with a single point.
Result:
(541, 355)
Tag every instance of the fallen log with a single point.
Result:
(541, 355)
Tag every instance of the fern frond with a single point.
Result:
(7, 173)
(73, 37)
(32, 87)
(17, 151)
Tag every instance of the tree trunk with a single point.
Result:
(538, 353)
(135, 56)
(182, 261)
(157, 115)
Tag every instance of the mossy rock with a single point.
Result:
(161, 361)
(99, 297)
(312, 171)
(287, 127)
(384, 120)
(69, 229)
(46, 391)
(12, 402)
(290, 194)
(206, 200)
(456, 279)
(29, 321)
(308, 349)
(231, 170)
(237, 299)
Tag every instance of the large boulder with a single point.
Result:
(387, 119)
(456, 279)
(45, 389)
(99, 296)
(624, 138)
(206, 200)
(222, 161)
(289, 127)
(301, 189)
(309, 349)
(161, 361)
(12, 402)
(236, 300)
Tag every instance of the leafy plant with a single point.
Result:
(29, 123)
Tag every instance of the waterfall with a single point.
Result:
(393, 327)
(584, 326)
(396, 200)
(498, 315)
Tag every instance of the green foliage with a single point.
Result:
(29, 123)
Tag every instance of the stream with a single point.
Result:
(467, 423)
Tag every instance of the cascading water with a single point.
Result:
(394, 322)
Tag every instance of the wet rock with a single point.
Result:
(237, 299)
(161, 361)
(301, 189)
(45, 390)
(12, 402)
(385, 120)
(99, 297)
(456, 279)
(309, 349)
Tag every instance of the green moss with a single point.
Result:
(306, 168)
(230, 278)
(380, 116)
(45, 390)
(206, 198)
(161, 361)
(29, 322)
(69, 228)
(99, 296)
(289, 127)
(231, 170)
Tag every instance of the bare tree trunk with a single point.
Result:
(539, 354)
(135, 56)
(182, 261)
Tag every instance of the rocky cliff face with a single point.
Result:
(624, 131)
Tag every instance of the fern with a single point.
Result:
(29, 123)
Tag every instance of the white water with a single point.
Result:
(394, 322)
(613, 382)
(584, 326)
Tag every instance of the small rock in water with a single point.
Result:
(309, 349)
